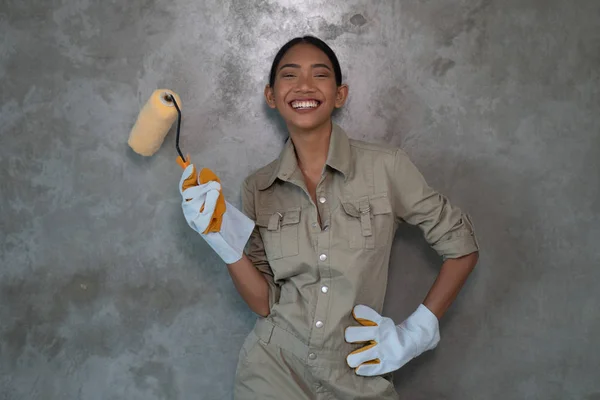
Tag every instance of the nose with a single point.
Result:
(304, 83)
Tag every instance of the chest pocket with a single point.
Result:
(369, 221)
(279, 231)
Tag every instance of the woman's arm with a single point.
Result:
(445, 227)
(251, 284)
(252, 274)
(452, 276)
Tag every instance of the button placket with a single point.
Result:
(322, 302)
(319, 327)
(321, 200)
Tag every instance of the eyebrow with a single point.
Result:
(298, 66)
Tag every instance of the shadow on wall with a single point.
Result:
(487, 294)
(273, 116)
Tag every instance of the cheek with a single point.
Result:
(280, 98)
(329, 91)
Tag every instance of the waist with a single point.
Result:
(330, 352)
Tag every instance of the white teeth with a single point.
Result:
(304, 104)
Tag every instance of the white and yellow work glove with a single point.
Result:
(389, 346)
(221, 225)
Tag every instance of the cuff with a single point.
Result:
(425, 325)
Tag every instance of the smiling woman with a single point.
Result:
(305, 85)
(315, 271)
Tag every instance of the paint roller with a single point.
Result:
(155, 121)
(149, 132)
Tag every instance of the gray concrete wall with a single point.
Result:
(105, 293)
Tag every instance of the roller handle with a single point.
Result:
(171, 98)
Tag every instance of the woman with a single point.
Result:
(325, 215)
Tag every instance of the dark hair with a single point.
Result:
(321, 45)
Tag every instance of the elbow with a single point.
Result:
(474, 258)
(466, 262)
(263, 305)
(471, 260)
(263, 308)
(261, 301)
(263, 311)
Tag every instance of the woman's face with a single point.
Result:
(305, 90)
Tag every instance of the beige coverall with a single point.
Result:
(317, 274)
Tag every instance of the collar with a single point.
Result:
(338, 158)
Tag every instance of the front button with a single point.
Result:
(322, 200)
(319, 324)
(314, 224)
(323, 257)
(312, 356)
(324, 289)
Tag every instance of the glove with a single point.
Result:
(221, 225)
(389, 346)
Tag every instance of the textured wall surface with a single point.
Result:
(105, 293)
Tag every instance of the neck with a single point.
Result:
(312, 147)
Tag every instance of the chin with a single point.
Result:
(306, 125)
(307, 122)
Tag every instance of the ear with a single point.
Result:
(269, 96)
(341, 95)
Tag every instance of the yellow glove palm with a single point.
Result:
(206, 175)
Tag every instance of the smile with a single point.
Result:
(305, 104)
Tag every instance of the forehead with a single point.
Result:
(305, 54)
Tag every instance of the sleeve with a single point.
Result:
(445, 227)
(255, 249)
